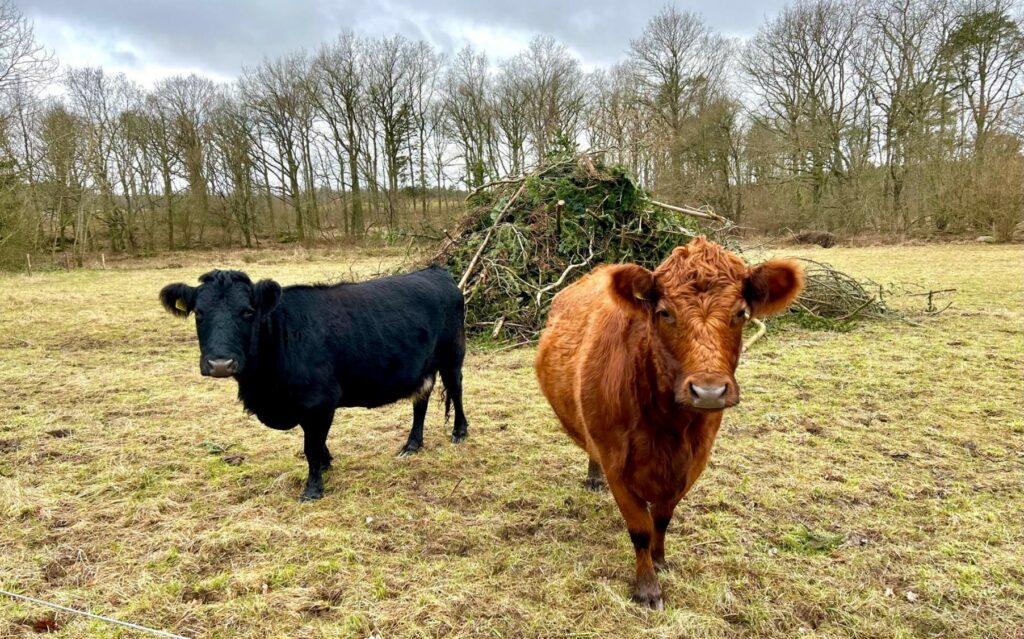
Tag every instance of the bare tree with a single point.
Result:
(276, 93)
(555, 92)
(232, 135)
(511, 116)
(186, 102)
(62, 168)
(339, 70)
(986, 49)
(468, 112)
(426, 75)
(618, 120)
(908, 86)
(679, 63)
(390, 94)
(802, 68)
(100, 100)
(23, 61)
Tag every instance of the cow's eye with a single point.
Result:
(663, 314)
(743, 314)
(248, 313)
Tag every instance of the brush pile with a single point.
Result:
(526, 238)
(834, 296)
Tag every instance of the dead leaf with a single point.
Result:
(233, 460)
(811, 427)
(46, 624)
(9, 445)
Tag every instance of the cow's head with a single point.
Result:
(698, 301)
(229, 309)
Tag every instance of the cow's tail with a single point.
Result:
(447, 403)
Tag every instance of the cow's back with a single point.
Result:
(361, 344)
(572, 349)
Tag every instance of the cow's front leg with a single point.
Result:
(315, 428)
(646, 589)
(661, 513)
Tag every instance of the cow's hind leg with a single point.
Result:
(315, 428)
(595, 478)
(419, 415)
(452, 378)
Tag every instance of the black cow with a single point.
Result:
(300, 352)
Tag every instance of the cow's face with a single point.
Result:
(698, 301)
(228, 309)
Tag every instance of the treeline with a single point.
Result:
(890, 116)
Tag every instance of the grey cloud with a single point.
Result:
(125, 57)
(223, 35)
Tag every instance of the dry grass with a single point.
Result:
(869, 485)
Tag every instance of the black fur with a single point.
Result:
(641, 540)
(303, 351)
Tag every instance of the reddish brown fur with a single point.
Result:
(623, 348)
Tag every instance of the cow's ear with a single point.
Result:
(634, 286)
(770, 287)
(179, 299)
(267, 294)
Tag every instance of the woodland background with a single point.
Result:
(896, 118)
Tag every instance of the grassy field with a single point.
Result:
(871, 484)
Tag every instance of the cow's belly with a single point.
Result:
(277, 422)
(284, 408)
(379, 388)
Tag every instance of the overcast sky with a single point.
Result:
(149, 39)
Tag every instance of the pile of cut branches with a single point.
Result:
(526, 238)
(832, 296)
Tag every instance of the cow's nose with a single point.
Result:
(221, 367)
(707, 396)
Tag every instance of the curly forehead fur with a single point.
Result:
(700, 265)
(223, 278)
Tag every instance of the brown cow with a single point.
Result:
(638, 366)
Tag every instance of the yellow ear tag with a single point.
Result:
(639, 295)
(180, 305)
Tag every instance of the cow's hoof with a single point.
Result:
(410, 448)
(649, 600)
(595, 484)
(311, 494)
(458, 438)
(647, 592)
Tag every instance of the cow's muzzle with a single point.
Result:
(219, 367)
(707, 391)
